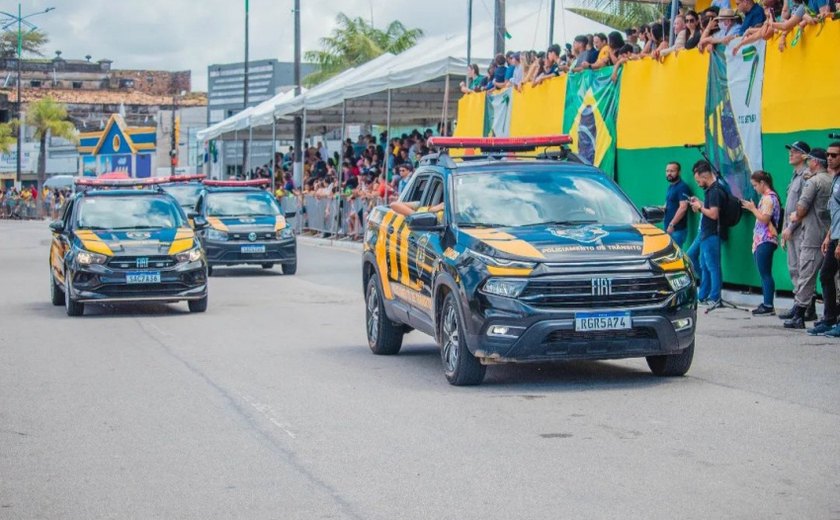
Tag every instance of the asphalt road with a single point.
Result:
(270, 405)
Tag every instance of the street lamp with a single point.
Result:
(20, 20)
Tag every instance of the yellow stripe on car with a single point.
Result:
(505, 242)
(217, 224)
(93, 243)
(381, 256)
(393, 237)
(509, 271)
(279, 223)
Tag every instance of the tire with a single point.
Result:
(384, 337)
(209, 270)
(198, 305)
(71, 306)
(290, 268)
(673, 365)
(268, 265)
(56, 292)
(460, 367)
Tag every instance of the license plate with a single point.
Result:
(588, 321)
(143, 277)
(252, 249)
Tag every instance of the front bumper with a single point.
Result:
(230, 252)
(102, 284)
(536, 335)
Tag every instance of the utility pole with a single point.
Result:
(469, 31)
(551, 24)
(8, 22)
(499, 32)
(245, 91)
(298, 155)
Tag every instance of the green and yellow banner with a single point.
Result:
(590, 117)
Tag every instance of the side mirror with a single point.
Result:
(57, 226)
(199, 222)
(653, 214)
(425, 221)
(290, 214)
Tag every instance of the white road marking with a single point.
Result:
(268, 413)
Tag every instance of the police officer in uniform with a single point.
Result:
(813, 217)
(791, 235)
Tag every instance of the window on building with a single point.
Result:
(35, 83)
(77, 85)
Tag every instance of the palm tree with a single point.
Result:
(32, 43)
(620, 14)
(7, 137)
(49, 118)
(355, 41)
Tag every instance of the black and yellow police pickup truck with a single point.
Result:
(525, 260)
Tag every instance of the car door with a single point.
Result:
(397, 259)
(424, 254)
(60, 243)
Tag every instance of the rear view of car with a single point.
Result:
(118, 244)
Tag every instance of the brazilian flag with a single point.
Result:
(590, 116)
(497, 113)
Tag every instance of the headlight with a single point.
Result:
(508, 287)
(674, 261)
(215, 234)
(678, 281)
(88, 258)
(501, 262)
(285, 233)
(193, 255)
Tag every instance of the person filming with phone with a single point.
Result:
(711, 278)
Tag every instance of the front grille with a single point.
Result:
(562, 336)
(564, 292)
(154, 289)
(130, 263)
(243, 236)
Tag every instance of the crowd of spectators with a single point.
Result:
(25, 203)
(718, 24)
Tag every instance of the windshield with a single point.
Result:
(538, 197)
(127, 213)
(238, 203)
(185, 194)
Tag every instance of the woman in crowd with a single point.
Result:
(475, 81)
(692, 31)
(765, 236)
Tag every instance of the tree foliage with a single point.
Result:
(33, 43)
(7, 137)
(355, 41)
(619, 14)
(48, 117)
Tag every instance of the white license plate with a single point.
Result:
(143, 277)
(588, 321)
(252, 249)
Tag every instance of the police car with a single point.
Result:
(185, 189)
(115, 243)
(525, 260)
(239, 223)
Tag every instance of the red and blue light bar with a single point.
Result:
(501, 143)
(237, 184)
(184, 178)
(117, 182)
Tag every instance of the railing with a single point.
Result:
(338, 216)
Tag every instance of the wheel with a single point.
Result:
(198, 305)
(209, 270)
(268, 265)
(290, 268)
(71, 306)
(672, 365)
(384, 337)
(460, 367)
(56, 292)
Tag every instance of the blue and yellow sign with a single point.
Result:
(118, 147)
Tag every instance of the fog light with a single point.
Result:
(682, 324)
(508, 331)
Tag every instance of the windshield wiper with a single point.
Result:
(477, 225)
(564, 223)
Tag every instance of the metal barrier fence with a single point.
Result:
(18, 208)
(341, 216)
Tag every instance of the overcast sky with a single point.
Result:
(192, 34)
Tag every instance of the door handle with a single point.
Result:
(390, 229)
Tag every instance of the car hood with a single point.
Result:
(137, 242)
(564, 243)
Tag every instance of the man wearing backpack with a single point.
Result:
(711, 279)
(814, 219)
